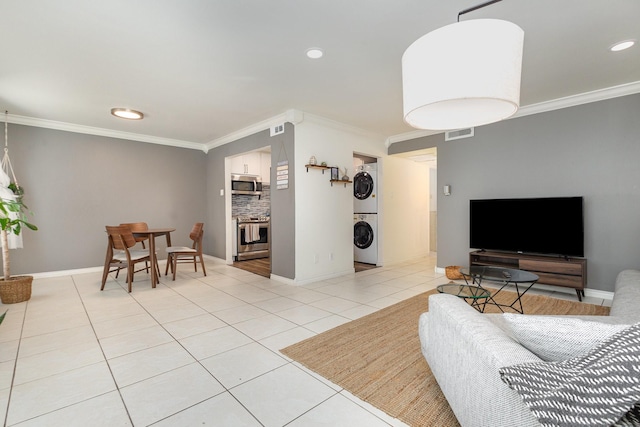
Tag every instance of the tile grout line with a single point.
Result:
(227, 390)
(102, 351)
(287, 360)
(15, 365)
(247, 283)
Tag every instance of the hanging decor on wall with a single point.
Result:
(282, 170)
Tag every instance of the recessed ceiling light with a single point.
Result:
(622, 45)
(315, 53)
(125, 113)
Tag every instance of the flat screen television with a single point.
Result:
(549, 226)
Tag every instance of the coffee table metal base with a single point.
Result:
(502, 277)
(476, 296)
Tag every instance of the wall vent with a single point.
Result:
(458, 134)
(277, 129)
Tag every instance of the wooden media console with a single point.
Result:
(556, 271)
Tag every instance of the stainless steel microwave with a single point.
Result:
(246, 184)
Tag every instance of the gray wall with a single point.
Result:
(591, 150)
(76, 184)
(282, 201)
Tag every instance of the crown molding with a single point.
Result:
(292, 116)
(323, 121)
(296, 116)
(89, 130)
(543, 107)
(580, 99)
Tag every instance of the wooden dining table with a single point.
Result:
(152, 233)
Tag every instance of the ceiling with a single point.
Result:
(203, 69)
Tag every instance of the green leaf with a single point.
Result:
(2, 317)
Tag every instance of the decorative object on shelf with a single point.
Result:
(456, 94)
(12, 220)
(323, 164)
(334, 174)
(313, 161)
(345, 177)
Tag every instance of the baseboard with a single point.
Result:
(594, 293)
(47, 274)
(296, 282)
(59, 273)
(281, 279)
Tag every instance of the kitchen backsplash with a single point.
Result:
(244, 205)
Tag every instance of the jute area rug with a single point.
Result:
(378, 357)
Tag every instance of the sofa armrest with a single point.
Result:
(465, 349)
(627, 296)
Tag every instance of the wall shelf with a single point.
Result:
(340, 181)
(323, 168)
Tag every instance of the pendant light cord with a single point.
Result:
(476, 7)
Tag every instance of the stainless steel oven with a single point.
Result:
(252, 238)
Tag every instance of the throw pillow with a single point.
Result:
(601, 387)
(554, 338)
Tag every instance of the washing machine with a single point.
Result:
(365, 188)
(365, 239)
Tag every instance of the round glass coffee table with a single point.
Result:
(475, 295)
(502, 277)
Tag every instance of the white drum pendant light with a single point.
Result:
(463, 75)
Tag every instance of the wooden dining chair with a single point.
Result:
(137, 226)
(182, 254)
(120, 255)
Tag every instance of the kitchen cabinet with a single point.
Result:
(265, 161)
(253, 163)
(247, 164)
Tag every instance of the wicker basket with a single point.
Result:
(16, 289)
(453, 272)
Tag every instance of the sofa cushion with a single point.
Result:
(601, 387)
(554, 338)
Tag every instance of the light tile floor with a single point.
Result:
(197, 351)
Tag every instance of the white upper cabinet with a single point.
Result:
(249, 164)
(265, 160)
(254, 163)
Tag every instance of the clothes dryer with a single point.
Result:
(365, 188)
(365, 240)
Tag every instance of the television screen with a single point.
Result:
(552, 225)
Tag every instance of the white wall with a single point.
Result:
(405, 206)
(324, 213)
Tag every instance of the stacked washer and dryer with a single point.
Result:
(365, 217)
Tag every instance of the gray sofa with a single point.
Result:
(465, 349)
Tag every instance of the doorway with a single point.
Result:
(249, 212)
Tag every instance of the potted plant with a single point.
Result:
(12, 220)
